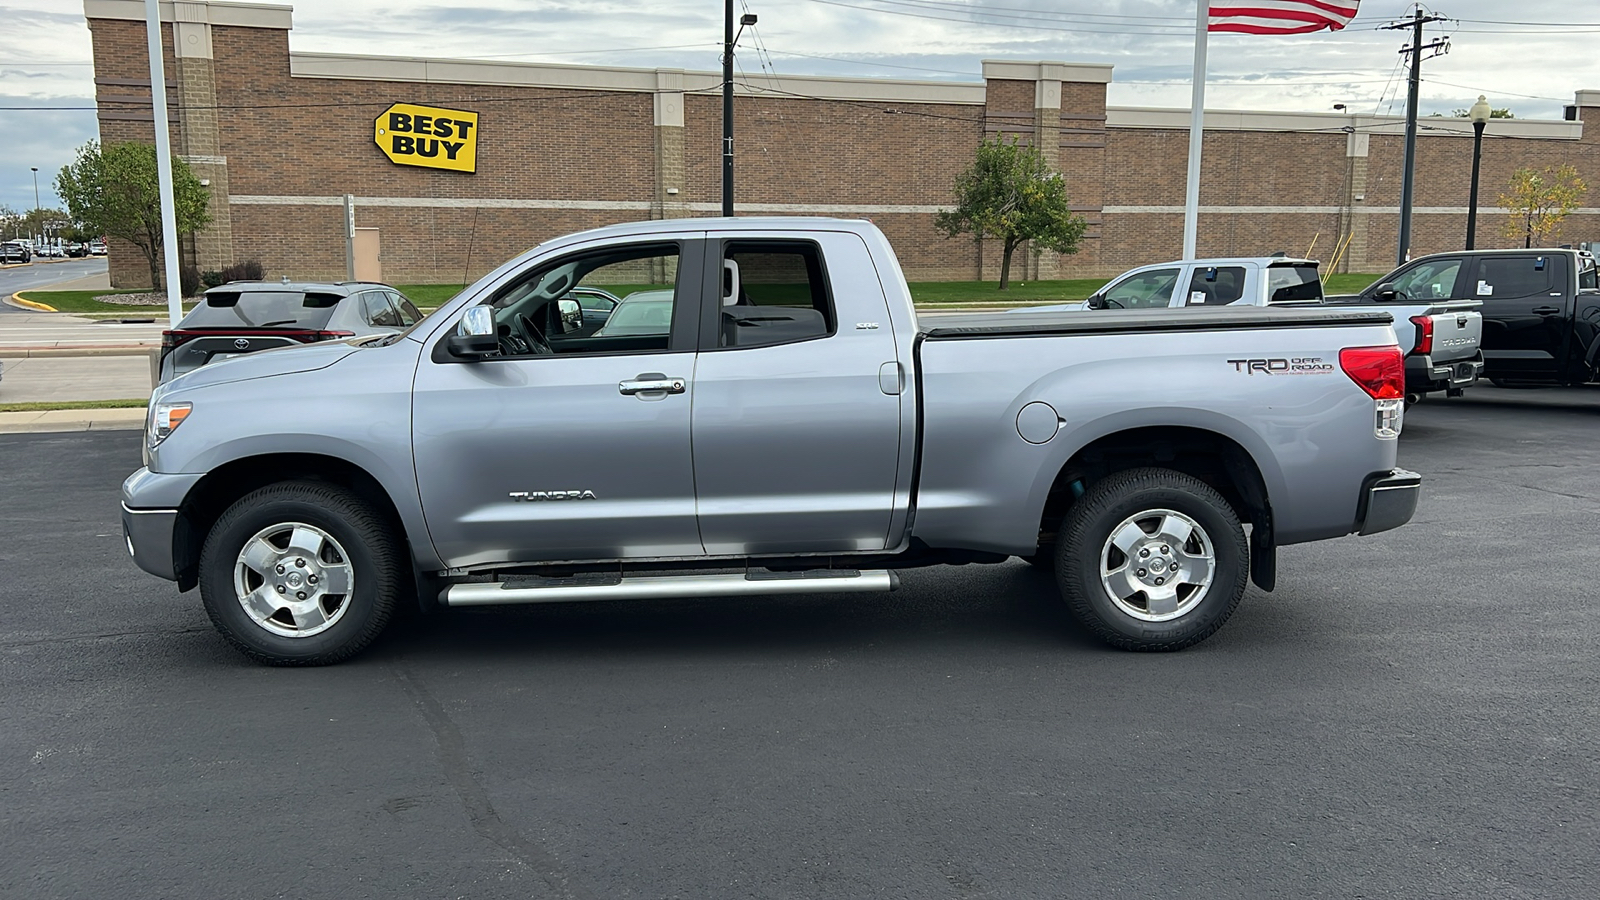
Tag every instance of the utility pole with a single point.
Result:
(1407, 183)
(727, 108)
(729, 39)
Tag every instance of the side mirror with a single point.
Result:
(1095, 301)
(1385, 292)
(475, 336)
(569, 314)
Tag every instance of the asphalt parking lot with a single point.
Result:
(1411, 714)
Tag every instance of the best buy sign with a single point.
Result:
(428, 136)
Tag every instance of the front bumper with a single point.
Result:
(148, 533)
(1388, 500)
(1424, 375)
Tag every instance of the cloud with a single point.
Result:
(43, 50)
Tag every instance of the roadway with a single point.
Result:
(1412, 714)
(41, 274)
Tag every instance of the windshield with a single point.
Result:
(258, 309)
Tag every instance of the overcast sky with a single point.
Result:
(1496, 49)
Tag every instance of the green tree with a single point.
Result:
(115, 192)
(1010, 194)
(1503, 113)
(1538, 201)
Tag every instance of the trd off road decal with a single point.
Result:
(1297, 365)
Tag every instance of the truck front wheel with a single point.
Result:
(300, 574)
(1152, 559)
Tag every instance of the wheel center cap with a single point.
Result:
(295, 579)
(1158, 566)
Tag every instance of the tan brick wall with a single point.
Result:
(312, 137)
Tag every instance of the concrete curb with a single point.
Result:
(89, 350)
(71, 420)
(25, 303)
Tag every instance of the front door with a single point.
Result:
(1524, 311)
(569, 445)
(797, 412)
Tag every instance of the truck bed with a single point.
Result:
(967, 326)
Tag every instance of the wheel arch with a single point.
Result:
(1212, 456)
(222, 486)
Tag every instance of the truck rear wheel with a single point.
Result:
(300, 574)
(1152, 559)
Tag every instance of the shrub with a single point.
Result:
(211, 278)
(249, 270)
(189, 280)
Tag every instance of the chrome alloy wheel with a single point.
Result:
(293, 579)
(1157, 565)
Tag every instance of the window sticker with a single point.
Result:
(1485, 289)
(1197, 296)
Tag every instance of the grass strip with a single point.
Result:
(52, 405)
(84, 302)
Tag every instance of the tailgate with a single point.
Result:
(1457, 333)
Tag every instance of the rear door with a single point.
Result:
(564, 446)
(1214, 286)
(1524, 310)
(797, 406)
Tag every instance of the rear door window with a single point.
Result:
(1588, 276)
(1215, 286)
(378, 311)
(1503, 277)
(409, 314)
(263, 309)
(1293, 283)
(773, 292)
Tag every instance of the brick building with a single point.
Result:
(280, 137)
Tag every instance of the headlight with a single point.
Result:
(164, 418)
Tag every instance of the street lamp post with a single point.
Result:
(1480, 117)
(35, 186)
(729, 39)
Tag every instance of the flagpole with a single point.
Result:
(1191, 202)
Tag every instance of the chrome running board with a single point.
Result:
(662, 587)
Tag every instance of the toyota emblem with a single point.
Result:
(241, 344)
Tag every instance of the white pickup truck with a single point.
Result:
(1440, 336)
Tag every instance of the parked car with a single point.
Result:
(97, 248)
(1439, 335)
(15, 252)
(1541, 308)
(595, 304)
(77, 251)
(796, 429)
(639, 313)
(251, 316)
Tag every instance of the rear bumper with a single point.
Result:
(1388, 500)
(1424, 375)
(148, 534)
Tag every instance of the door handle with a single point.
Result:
(648, 384)
(1546, 310)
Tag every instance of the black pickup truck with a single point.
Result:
(1541, 308)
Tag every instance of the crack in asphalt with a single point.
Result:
(475, 800)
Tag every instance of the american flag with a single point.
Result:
(1281, 16)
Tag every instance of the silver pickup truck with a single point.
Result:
(768, 417)
(1440, 336)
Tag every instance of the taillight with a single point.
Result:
(331, 335)
(1380, 371)
(1424, 334)
(171, 340)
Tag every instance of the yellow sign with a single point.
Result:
(427, 136)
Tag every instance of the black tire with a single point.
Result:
(363, 543)
(1083, 542)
